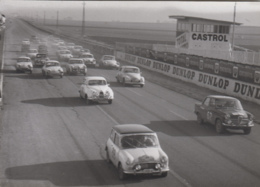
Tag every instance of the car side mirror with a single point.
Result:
(108, 84)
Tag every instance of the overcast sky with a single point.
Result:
(247, 13)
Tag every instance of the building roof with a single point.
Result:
(179, 17)
(132, 129)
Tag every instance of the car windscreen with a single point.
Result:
(96, 82)
(228, 104)
(23, 60)
(87, 56)
(41, 56)
(109, 58)
(139, 141)
(131, 70)
(52, 64)
(76, 62)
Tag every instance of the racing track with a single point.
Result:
(51, 138)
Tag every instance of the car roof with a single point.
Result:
(129, 67)
(24, 57)
(94, 78)
(109, 55)
(79, 59)
(87, 53)
(53, 61)
(132, 129)
(221, 97)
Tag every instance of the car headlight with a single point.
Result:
(127, 78)
(227, 118)
(107, 93)
(157, 166)
(250, 117)
(163, 159)
(138, 167)
(94, 93)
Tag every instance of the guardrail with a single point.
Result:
(1, 64)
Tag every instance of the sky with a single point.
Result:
(247, 13)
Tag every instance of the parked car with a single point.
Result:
(225, 113)
(40, 59)
(130, 75)
(135, 149)
(24, 64)
(109, 61)
(96, 89)
(76, 65)
(64, 55)
(32, 53)
(52, 68)
(88, 59)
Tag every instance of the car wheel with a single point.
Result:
(30, 72)
(61, 76)
(247, 130)
(164, 174)
(199, 119)
(141, 85)
(107, 157)
(110, 101)
(121, 173)
(124, 84)
(219, 126)
(88, 102)
(117, 80)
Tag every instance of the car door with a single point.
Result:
(116, 149)
(203, 109)
(119, 74)
(110, 147)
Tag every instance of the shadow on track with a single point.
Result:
(187, 128)
(71, 173)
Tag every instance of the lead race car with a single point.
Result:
(96, 89)
(135, 149)
(225, 113)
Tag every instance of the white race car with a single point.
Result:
(52, 68)
(88, 59)
(135, 149)
(32, 53)
(76, 65)
(64, 55)
(96, 89)
(109, 61)
(24, 64)
(130, 75)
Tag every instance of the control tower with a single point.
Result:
(203, 34)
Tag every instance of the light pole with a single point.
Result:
(233, 32)
(83, 20)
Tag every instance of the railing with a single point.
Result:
(244, 57)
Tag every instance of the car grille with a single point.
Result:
(147, 165)
(101, 94)
(238, 119)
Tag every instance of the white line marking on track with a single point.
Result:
(133, 91)
(182, 180)
(110, 117)
(178, 115)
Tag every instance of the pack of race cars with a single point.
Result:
(77, 59)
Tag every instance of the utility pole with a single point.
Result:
(233, 32)
(83, 20)
(44, 18)
(57, 21)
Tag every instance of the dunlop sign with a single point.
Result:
(228, 86)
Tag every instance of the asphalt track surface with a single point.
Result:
(50, 137)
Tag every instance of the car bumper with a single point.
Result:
(24, 68)
(100, 98)
(78, 71)
(240, 125)
(147, 171)
(54, 73)
(134, 82)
